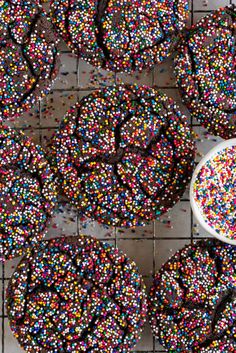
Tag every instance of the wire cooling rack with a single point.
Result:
(148, 246)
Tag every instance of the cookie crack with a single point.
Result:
(101, 9)
(92, 325)
(67, 21)
(221, 306)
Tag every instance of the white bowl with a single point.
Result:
(196, 211)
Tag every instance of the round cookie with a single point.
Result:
(76, 294)
(123, 155)
(121, 36)
(193, 299)
(27, 193)
(29, 59)
(205, 68)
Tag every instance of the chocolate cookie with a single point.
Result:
(27, 193)
(192, 304)
(206, 72)
(28, 52)
(120, 35)
(124, 155)
(76, 294)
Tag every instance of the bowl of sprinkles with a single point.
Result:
(213, 192)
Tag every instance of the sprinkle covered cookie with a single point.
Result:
(193, 298)
(206, 71)
(28, 55)
(27, 193)
(76, 294)
(120, 35)
(123, 155)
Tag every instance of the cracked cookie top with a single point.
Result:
(120, 35)
(123, 155)
(76, 294)
(27, 193)
(192, 304)
(206, 71)
(28, 54)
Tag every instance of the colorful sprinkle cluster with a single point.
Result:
(122, 35)
(193, 299)
(206, 72)
(27, 193)
(124, 155)
(28, 56)
(215, 193)
(76, 294)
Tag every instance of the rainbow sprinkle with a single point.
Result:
(27, 193)
(215, 192)
(76, 294)
(28, 56)
(206, 71)
(123, 155)
(192, 300)
(120, 35)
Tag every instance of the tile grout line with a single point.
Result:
(94, 88)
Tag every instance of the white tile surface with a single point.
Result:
(204, 5)
(164, 249)
(92, 77)
(141, 251)
(146, 341)
(164, 74)
(176, 223)
(11, 344)
(31, 119)
(136, 233)
(89, 227)
(55, 105)
(204, 141)
(67, 77)
(10, 266)
(64, 222)
(144, 78)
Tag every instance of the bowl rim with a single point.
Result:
(196, 210)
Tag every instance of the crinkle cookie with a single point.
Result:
(27, 193)
(124, 35)
(123, 155)
(28, 56)
(192, 305)
(76, 294)
(206, 71)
